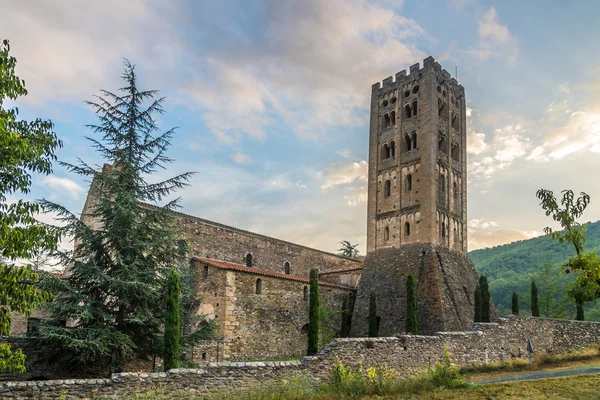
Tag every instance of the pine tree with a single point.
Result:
(535, 305)
(515, 303)
(373, 322)
(485, 299)
(313, 314)
(411, 305)
(117, 270)
(172, 322)
(477, 301)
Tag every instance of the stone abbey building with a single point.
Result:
(256, 287)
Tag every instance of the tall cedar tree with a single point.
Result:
(485, 299)
(112, 293)
(373, 322)
(26, 147)
(477, 301)
(411, 305)
(515, 303)
(535, 305)
(172, 322)
(313, 314)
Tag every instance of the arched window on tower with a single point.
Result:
(442, 183)
(386, 234)
(455, 190)
(248, 260)
(258, 286)
(454, 152)
(393, 117)
(408, 142)
(443, 229)
(407, 111)
(386, 121)
(441, 108)
(442, 142)
(455, 121)
(414, 140)
(287, 268)
(385, 151)
(414, 107)
(388, 188)
(408, 182)
(407, 229)
(393, 149)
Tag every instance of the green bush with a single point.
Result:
(360, 382)
(445, 374)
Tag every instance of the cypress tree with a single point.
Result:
(477, 301)
(515, 303)
(119, 265)
(485, 299)
(580, 314)
(411, 305)
(344, 329)
(172, 322)
(313, 314)
(373, 323)
(535, 305)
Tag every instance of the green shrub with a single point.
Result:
(445, 374)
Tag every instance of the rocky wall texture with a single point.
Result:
(408, 354)
(446, 283)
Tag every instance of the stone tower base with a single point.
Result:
(446, 283)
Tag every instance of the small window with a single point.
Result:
(388, 188)
(393, 149)
(455, 191)
(408, 141)
(287, 268)
(248, 260)
(407, 111)
(455, 121)
(415, 89)
(414, 107)
(407, 93)
(443, 230)
(407, 229)
(439, 88)
(384, 103)
(386, 121)
(408, 182)
(386, 234)
(203, 356)
(393, 117)
(442, 183)
(393, 100)
(305, 293)
(259, 286)
(414, 140)
(205, 272)
(441, 108)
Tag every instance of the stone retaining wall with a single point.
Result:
(408, 354)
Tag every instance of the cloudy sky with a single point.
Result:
(271, 100)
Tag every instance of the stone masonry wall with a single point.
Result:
(408, 354)
(213, 240)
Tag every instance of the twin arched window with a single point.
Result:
(411, 141)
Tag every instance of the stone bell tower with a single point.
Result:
(417, 203)
(417, 160)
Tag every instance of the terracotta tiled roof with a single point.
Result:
(258, 271)
(343, 268)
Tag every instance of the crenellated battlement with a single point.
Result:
(415, 72)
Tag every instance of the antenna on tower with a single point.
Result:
(456, 72)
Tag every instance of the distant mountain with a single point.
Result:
(509, 267)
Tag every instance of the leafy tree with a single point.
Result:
(373, 319)
(348, 249)
(586, 265)
(313, 313)
(477, 302)
(515, 303)
(535, 305)
(485, 299)
(172, 321)
(112, 293)
(26, 147)
(411, 305)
